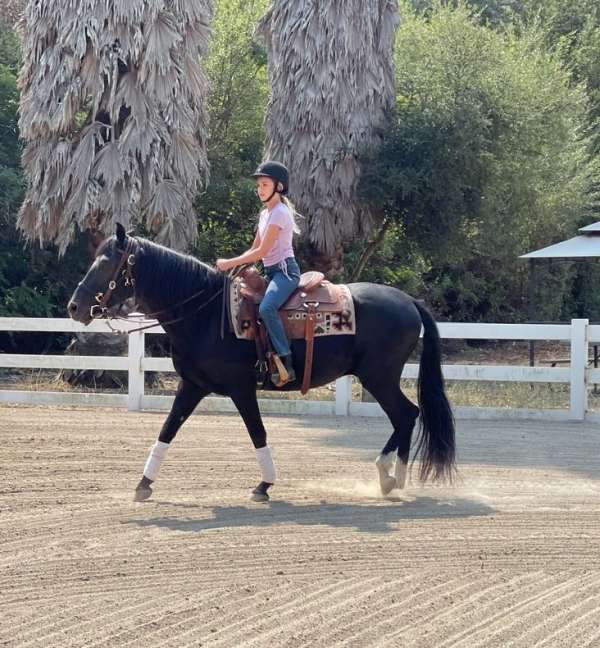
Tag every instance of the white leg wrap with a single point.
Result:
(267, 467)
(157, 454)
(384, 462)
(401, 472)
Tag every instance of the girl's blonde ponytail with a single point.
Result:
(290, 205)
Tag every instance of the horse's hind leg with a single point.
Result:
(187, 397)
(402, 414)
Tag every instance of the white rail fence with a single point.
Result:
(579, 334)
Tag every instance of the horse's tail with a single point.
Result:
(435, 441)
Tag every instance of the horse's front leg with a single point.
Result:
(187, 397)
(247, 406)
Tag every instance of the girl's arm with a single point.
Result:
(254, 253)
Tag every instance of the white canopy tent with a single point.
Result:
(587, 245)
(584, 246)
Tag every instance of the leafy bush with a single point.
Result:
(485, 159)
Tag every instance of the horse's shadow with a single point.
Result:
(366, 518)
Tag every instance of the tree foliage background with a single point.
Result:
(492, 150)
(489, 155)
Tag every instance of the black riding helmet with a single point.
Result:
(277, 172)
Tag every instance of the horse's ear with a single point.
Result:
(121, 235)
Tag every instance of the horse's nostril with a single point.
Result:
(71, 307)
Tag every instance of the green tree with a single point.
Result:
(9, 100)
(485, 158)
(572, 28)
(489, 12)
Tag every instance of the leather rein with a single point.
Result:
(125, 269)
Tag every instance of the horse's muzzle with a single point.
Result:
(78, 314)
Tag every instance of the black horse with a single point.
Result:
(186, 296)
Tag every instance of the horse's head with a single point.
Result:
(109, 282)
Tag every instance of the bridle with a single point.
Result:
(125, 269)
(128, 260)
(100, 310)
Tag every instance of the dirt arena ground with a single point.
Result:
(508, 557)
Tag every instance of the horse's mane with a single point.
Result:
(172, 276)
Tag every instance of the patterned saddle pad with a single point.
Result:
(333, 304)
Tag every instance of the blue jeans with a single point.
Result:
(280, 287)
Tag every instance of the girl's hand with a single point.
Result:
(223, 265)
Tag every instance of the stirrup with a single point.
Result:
(276, 379)
(283, 375)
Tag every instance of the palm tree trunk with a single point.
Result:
(331, 70)
(330, 264)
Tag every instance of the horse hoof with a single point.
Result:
(259, 494)
(387, 484)
(142, 494)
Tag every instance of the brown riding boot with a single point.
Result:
(285, 371)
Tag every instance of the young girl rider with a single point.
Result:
(273, 244)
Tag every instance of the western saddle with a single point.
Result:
(316, 308)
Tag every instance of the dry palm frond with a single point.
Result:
(11, 10)
(113, 116)
(332, 80)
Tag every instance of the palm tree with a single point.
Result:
(332, 80)
(113, 116)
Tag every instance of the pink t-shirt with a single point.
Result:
(281, 217)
